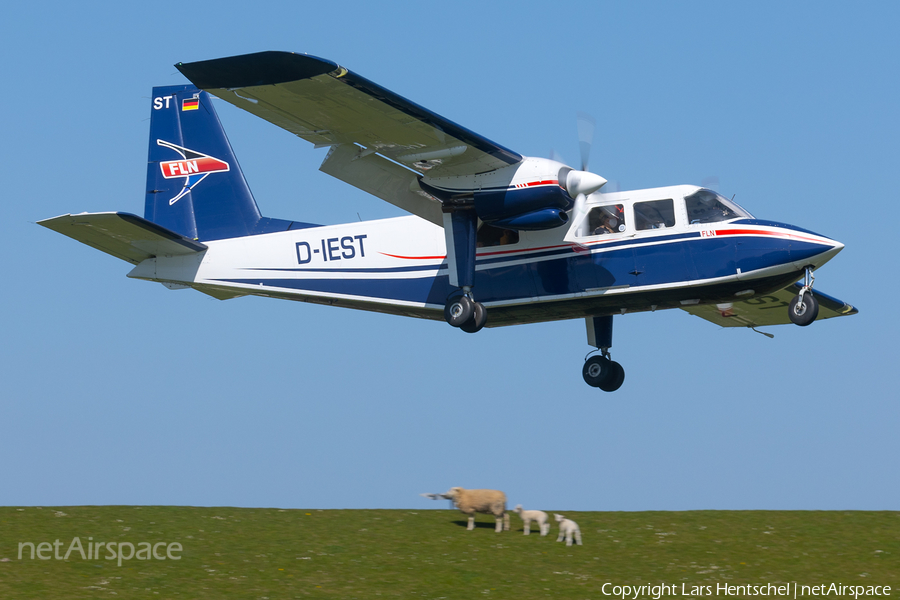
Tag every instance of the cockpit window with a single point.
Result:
(656, 214)
(706, 206)
(606, 219)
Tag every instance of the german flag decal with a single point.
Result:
(190, 103)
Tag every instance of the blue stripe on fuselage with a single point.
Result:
(627, 263)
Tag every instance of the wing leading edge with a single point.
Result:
(328, 105)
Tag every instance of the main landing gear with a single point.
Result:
(460, 226)
(600, 371)
(804, 308)
(465, 313)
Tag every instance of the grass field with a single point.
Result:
(271, 553)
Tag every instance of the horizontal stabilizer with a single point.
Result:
(771, 309)
(123, 235)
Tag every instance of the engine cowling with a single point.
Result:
(532, 195)
(507, 205)
(547, 218)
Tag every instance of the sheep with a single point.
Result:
(567, 528)
(533, 515)
(483, 501)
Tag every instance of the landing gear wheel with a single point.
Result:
(597, 371)
(616, 378)
(479, 318)
(459, 310)
(803, 312)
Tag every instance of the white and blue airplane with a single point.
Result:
(494, 238)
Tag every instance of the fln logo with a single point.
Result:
(194, 167)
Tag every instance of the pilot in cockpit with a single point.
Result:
(608, 224)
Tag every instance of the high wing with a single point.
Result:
(381, 142)
(123, 235)
(771, 309)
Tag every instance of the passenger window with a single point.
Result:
(656, 214)
(494, 236)
(606, 219)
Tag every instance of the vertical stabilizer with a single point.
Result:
(194, 184)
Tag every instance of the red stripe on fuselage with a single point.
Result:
(783, 234)
(413, 257)
(589, 246)
(480, 253)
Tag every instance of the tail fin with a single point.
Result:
(194, 183)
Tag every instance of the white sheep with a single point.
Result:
(534, 515)
(483, 501)
(567, 528)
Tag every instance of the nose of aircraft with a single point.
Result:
(815, 253)
(832, 252)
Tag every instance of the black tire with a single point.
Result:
(459, 310)
(597, 371)
(616, 379)
(803, 313)
(479, 318)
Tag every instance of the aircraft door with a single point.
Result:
(605, 257)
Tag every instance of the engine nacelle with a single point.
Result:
(547, 218)
(508, 205)
(533, 194)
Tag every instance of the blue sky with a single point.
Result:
(116, 391)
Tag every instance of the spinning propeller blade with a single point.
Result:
(586, 126)
(583, 182)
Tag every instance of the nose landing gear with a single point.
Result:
(600, 371)
(804, 308)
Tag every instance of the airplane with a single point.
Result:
(494, 238)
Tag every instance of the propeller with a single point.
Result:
(583, 183)
(586, 125)
(710, 183)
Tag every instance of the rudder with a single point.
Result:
(195, 186)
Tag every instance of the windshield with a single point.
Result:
(706, 206)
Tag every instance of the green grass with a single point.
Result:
(271, 553)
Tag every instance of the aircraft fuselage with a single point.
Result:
(399, 265)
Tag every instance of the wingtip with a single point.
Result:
(259, 68)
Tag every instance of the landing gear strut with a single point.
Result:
(461, 310)
(804, 308)
(600, 371)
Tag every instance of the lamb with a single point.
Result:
(483, 501)
(534, 515)
(567, 528)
